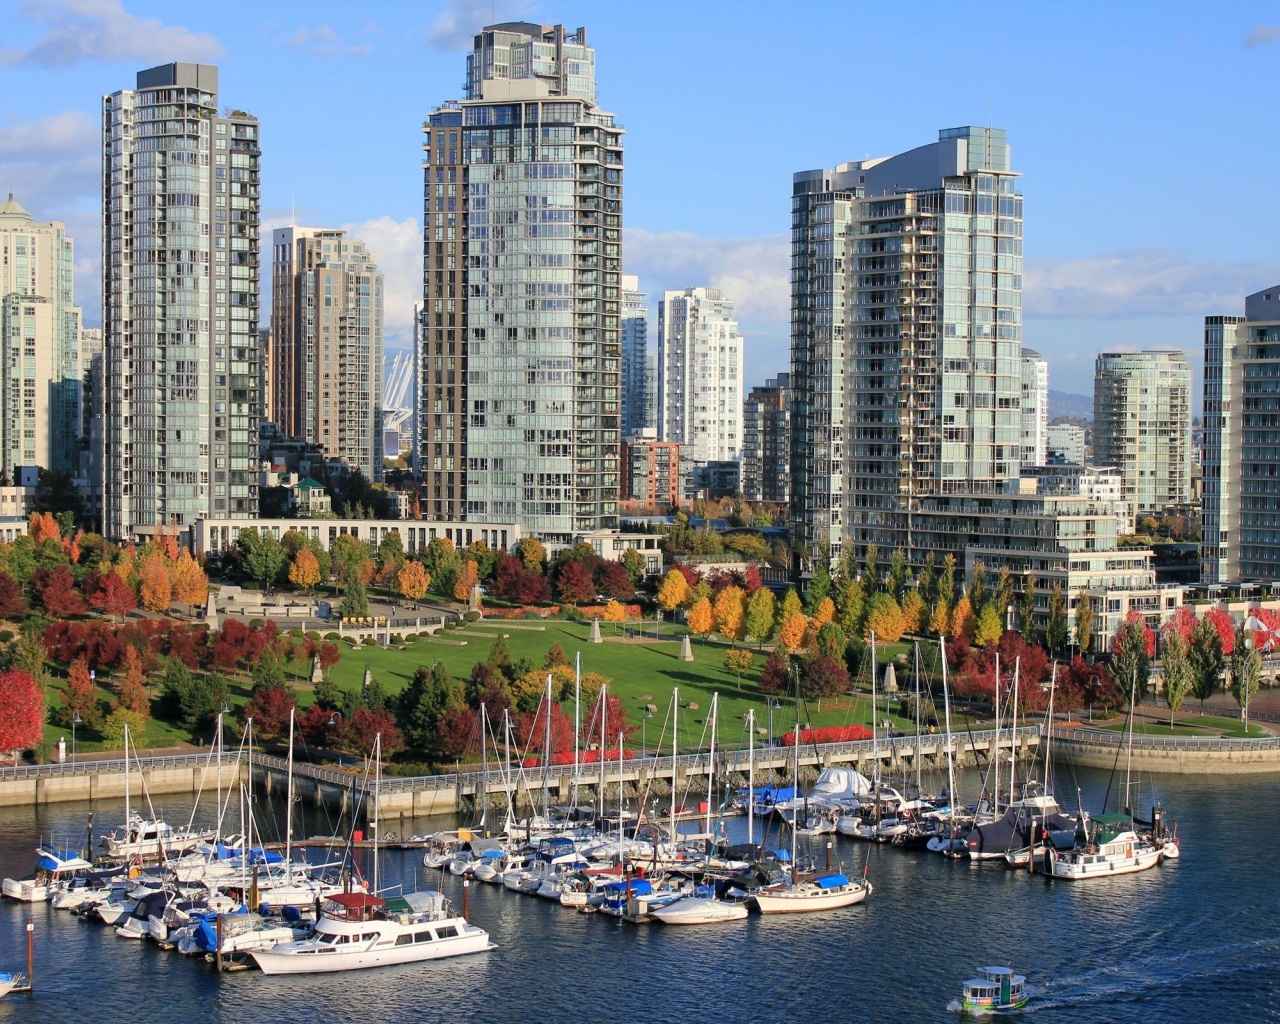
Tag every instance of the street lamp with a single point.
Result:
(74, 722)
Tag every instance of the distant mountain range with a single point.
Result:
(1062, 403)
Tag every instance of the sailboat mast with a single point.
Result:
(995, 796)
(577, 719)
(288, 813)
(546, 754)
(506, 769)
(794, 822)
(1013, 734)
(604, 739)
(875, 744)
(484, 770)
(751, 776)
(711, 767)
(917, 757)
(377, 797)
(951, 768)
(1128, 759)
(128, 807)
(675, 755)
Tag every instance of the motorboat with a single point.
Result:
(994, 990)
(639, 897)
(702, 906)
(1035, 813)
(242, 932)
(54, 869)
(359, 930)
(827, 891)
(1106, 846)
(152, 839)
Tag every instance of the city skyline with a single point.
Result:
(1106, 274)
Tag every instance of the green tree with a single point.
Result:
(500, 658)
(819, 586)
(1131, 662)
(988, 631)
(429, 695)
(355, 598)
(927, 581)
(1246, 670)
(871, 570)
(1207, 661)
(978, 588)
(789, 608)
(1055, 630)
(850, 604)
(737, 661)
(268, 672)
(1175, 663)
(761, 607)
(896, 581)
(1084, 623)
(947, 582)
(262, 556)
(443, 563)
(633, 562)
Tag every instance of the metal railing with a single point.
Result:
(1192, 743)
(95, 766)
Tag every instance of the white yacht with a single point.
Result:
(150, 839)
(825, 892)
(358, 930)
(54, 869)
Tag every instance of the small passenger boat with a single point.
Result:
(994, 989)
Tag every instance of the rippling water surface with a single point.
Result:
(1194, 939)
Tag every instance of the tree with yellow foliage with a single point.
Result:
(913, 612)
(940, 620)
(884, 617)
(701, 618)
(789, 607)
(824, 613)
(154, 587)
(190, 584)
(674, 590)
(304, 573)
(793, 632)
(731, 612)
(962, 619)
(615, 612)
(413, 580)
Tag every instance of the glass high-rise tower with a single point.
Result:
(519, 350)
(180, 303)
(906, 344)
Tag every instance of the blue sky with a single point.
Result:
(1145, 133)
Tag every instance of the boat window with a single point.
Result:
(448, 932)
(404, 940)
(369, 936)
(423, 936)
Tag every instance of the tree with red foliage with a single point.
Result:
(531, 729)
(1083, 685)
(1182, 621)
(958, 649)
(269, 707)
(775, 677)
(821, 676)
(12, 604)
(21, 712)
(103, 646)
(613, 581)
(573, 583)
(751, 581)
(58, 593)
(230, 645)
(314, 725)
(114, 596)
(363, 727)
(329, 654)
(188, 644)
(456, 731)
(612, 721)
(1221, 620)
(259, 639)
(718, 579)
(690, 576)
(510, 578)
(1032, 661)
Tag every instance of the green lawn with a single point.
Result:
(1200, 725)
(641, 673)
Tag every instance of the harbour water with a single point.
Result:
(1194, 939)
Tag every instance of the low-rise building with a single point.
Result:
(651, 472)
(217, 535)
(1067, 440)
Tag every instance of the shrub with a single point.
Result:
(256, 623)
(44, 751)
(410, 637)
(5, 635)
(313, 634)
(396, 638)
(450, 624)
(370, 641)
(331, 636)
(472, 616)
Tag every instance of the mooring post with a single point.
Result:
(31, 959)
(466, 892)
(217, 955)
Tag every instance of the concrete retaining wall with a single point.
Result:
(1173, 760)
(54, 789)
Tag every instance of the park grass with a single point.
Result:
(1200, 725)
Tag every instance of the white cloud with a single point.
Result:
(1140, 283)
(325, 42)
(51, 163)
(460, 20)
(753, 272)
(1262, 35)
(78, 30)
(398, 246)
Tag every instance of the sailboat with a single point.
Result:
(356, 930)
(951, 844)
(826, 891)
(1108, 844)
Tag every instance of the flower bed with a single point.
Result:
(829, 734)
(584, 757)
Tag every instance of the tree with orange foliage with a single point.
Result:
(190, 584)
(131, 690)
(42, 527)
(792, 633)
(71, 546)
(963, 622)
(79, 698)
(731, 612)
(367, 569)
(125, 564)
(154, 586)
(167, 542)
(824, 613)
(468, 576)
(413, 580)
(305, 571)
(701, 618)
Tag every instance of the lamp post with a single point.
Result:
(74, 722)
(771, 703)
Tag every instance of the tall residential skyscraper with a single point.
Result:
(40, 364)
(700, 375)
(636, 399)
(1035, 409)
(326, 335)
(1142, 425)
(1240, 539)
(766, 441)
(519, 350)
(180, 303)
(906, 343)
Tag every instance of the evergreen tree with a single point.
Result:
(1055, 631)
(355, 598)
(1207, 661)
(819, 586)
(896, 583)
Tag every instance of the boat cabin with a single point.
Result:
(994, 988)
(354, 907)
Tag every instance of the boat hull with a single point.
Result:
(699, 910)
(274, 962)
(1087, 868)
(786, 901)
(25, 890)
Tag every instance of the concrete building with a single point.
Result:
(1241, 500)
(1142, 425)
(639, 401)
(766, 441)
(651, 472)
(720, 478)
(700, 375)
(326, 338)
(88, 473)
(41, 405)
(180, 303)
(1066, 440)
(906, 344)
(1101, 484)
(519, 351)
(1035, 409)
(217, 535)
